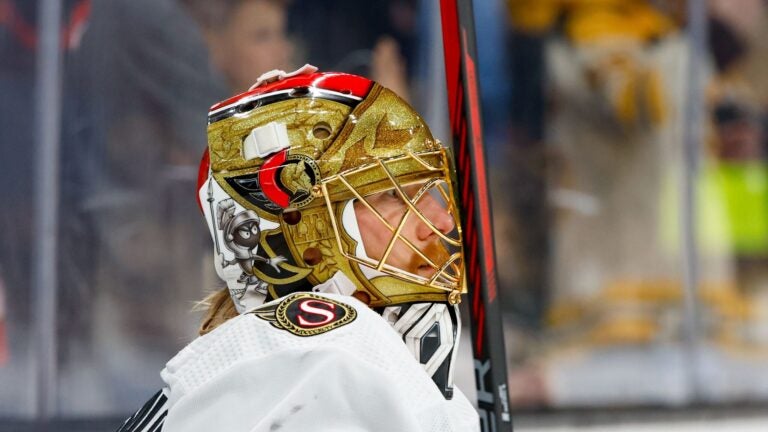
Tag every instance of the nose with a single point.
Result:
(437, 214)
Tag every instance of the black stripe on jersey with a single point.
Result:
(150, 417)
(405, 309)
(160, 422)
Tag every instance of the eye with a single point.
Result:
(246, 234)
(255, 230)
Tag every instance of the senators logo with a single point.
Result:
(282, 181)
(306, 314)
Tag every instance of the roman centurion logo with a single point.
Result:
(306, 314)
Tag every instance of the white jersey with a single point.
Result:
(324, 362)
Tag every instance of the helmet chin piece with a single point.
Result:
(431, 331)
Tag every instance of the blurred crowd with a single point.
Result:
(138, 79)
(599, 132)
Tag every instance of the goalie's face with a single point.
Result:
(416, 244)
(376, 236)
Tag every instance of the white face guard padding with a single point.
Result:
(431, 331)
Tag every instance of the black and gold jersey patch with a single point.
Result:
(306, 314)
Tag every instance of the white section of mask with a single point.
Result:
(349, 222)
(245, 296)
(265, 140)
(338, 284)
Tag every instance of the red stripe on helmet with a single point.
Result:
(202, 175)
(334, 81)
(268, 180)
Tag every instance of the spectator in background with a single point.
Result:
(374, 38)
(136, 94)
(244, 37)
(612, 70)
(616, 71)
(17, 67)
(133, 92)
(20, 36)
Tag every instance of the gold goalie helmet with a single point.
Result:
(312, 175)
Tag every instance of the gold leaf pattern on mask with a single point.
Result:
(355, 156)
(387, 137)
(327, 266)
(225, 137)
(227, 150)
(368, 134)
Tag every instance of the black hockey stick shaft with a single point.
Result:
(466, 129)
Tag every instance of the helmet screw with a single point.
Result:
(292, 217)
(454, 297)
(362, 296)
(312, 256)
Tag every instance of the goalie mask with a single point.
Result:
(329, 179)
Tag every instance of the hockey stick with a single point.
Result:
(466, 130)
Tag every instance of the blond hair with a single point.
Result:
(219, 308)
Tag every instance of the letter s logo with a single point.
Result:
(307, 314)
(310, 307)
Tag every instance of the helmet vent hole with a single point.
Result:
(321, 130)
(346, 91)
(299, 92)
(312, 256)
(248, 106)
(292, 217)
